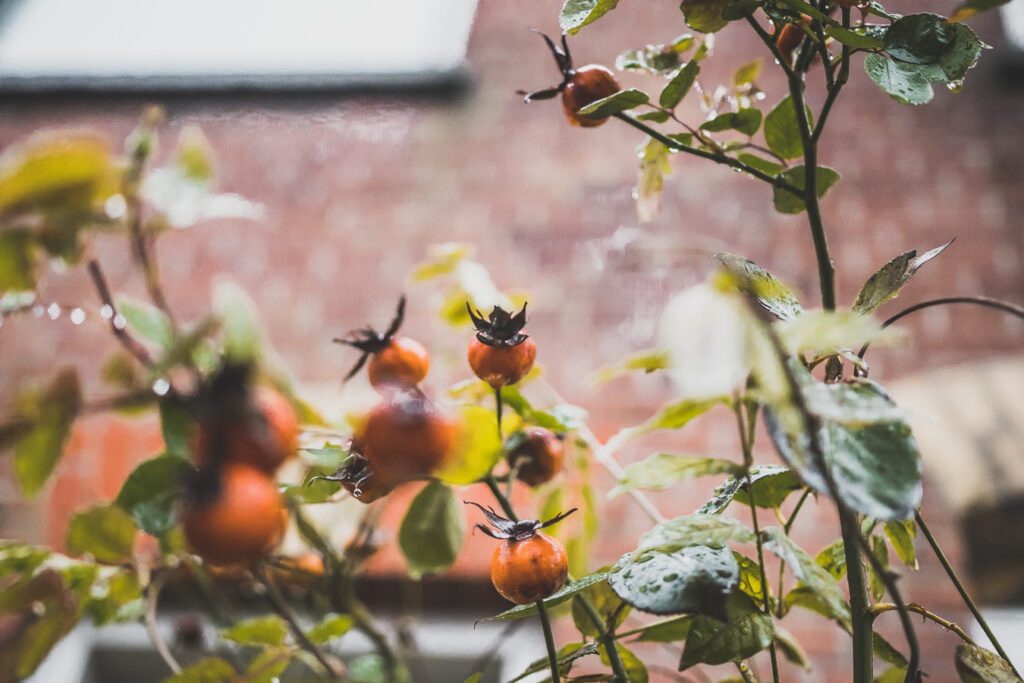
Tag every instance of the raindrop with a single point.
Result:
(956, 86)
(107, 312)
(759, 96)
(77, 316)
(161, 387)
(38, 310)
(119, 322)
(53, 310)
(116, 207)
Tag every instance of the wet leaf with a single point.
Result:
(696, 529)
(710, 641)
(747, 73)
(152, 491)
(705, 16)
(890, 279)
(772, 485)
(433, 530)
(901, 535)
(790, 648)
(978, 665)
(669, 580)
(621, 101)
(763, 287)
(578, 13)
(672, 416)
(679, 85)
(808, 572)
(668, 631)
(567, 591)
(746, 121)
(660, 471)
(905, 83)
(636, 670)
(566, 657)
(106, 532)
(853, 39)
(603, 599)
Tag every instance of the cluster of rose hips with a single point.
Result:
(233, 513)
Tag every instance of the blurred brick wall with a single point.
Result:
(356, 188)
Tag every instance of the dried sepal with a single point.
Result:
(369, 341)
(501, 328)
(505, 529)
(563, 60)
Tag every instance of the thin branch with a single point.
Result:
(769, 41)
(549, 641)
(717, 157)
(962, 590)
(882, 607)
(1005, 307)
(282, 608)
(836, 86)
(117, 321)
(152, 629)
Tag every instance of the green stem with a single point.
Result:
(746, 441)
(606, 634)
(717, 157)
(962, 590)
(863, 653)
(549, 640)
(796, 510)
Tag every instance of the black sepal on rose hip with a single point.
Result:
(505, 529)
(501, 328)
(369, 341)
(563, 59)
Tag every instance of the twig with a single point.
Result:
(117, 322)
(962, 590)
(882, 607)
(717, 157)
(281, 606)
(836, 86)
(152, 629)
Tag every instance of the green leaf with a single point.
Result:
(668, 580)
(268, 665)
(442, 259)
(374, 668)
(887, 653)
(660, 471)
(785, 202)
(853, 38)
(920, 38)
(578, 13)
(176, 426)
(615, 103)
(209, 670)
(710, 641)
(566, 657)
(971, 7)
(673, 416)
(705, 16)
(905, 83)
(432, 531)
(603, 599)
(901, 535)
(875, 465)
(268, 630)
(748, 73)
(740, 9)
(330, 627)
(746, 121)
(810, 574)
(782, 130)
(479, 451)
(772, 485)
(104, 531)
(239, 318)
(647, 361)
(52, 173)
(823, 333)
(890, 279)
(51, 414)
(679, 85)
(832, 558)
(761, 164)
(763, 287)
(151, 493)
(790, 648)
(567, 591)
(978, 665)
(881, 553)
(636, 670)
(145, 321)
(656, 116)
(17, 263)
(475, 678)
(696, 529)
(667, 631)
